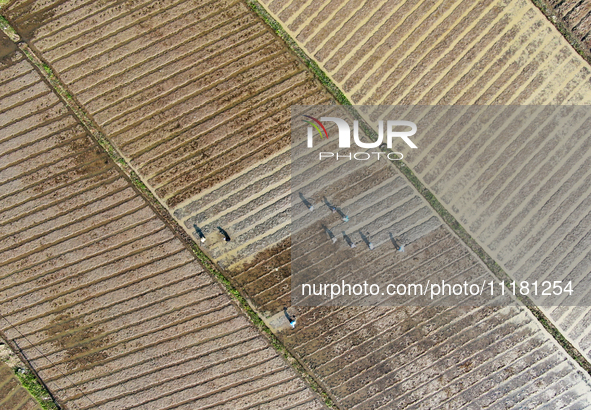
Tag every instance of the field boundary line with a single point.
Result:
(558, 22)
(240, 301)
(447, 217)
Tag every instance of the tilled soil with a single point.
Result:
(206, 125)
(521, 196)
(576, 17)
(418, 52)
(106, 303)
(167, 82)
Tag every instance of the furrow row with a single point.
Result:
(100, 296)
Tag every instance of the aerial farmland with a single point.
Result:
(146, 205)
(107, 305)
(13, 394)
(528, 217)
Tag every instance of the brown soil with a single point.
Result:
(106, 303)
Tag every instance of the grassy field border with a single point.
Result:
(94, 130)
(557, 21)
(31, 383)
(447, 217)
(296, 49)
(27, 376)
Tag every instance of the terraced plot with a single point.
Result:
(107, 305)
(13, 395)
(213, 144)
(530, 217)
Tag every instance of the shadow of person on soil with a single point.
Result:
(399, 248)
(348, 240)
(329, 233)
(306, 202)
(200, 233)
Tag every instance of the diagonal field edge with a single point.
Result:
(161, 210)
(455, 226)
(545, 7)
(341, 98)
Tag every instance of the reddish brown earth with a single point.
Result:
(106, 303)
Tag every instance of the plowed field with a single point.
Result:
(213, 145)
(530, 218)
(107, 305)
(433, 52)
(576, 16)
(523, 200)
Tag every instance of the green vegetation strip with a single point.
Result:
(414, 180)
(7, 29)
(59, 87)
(36, 389)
